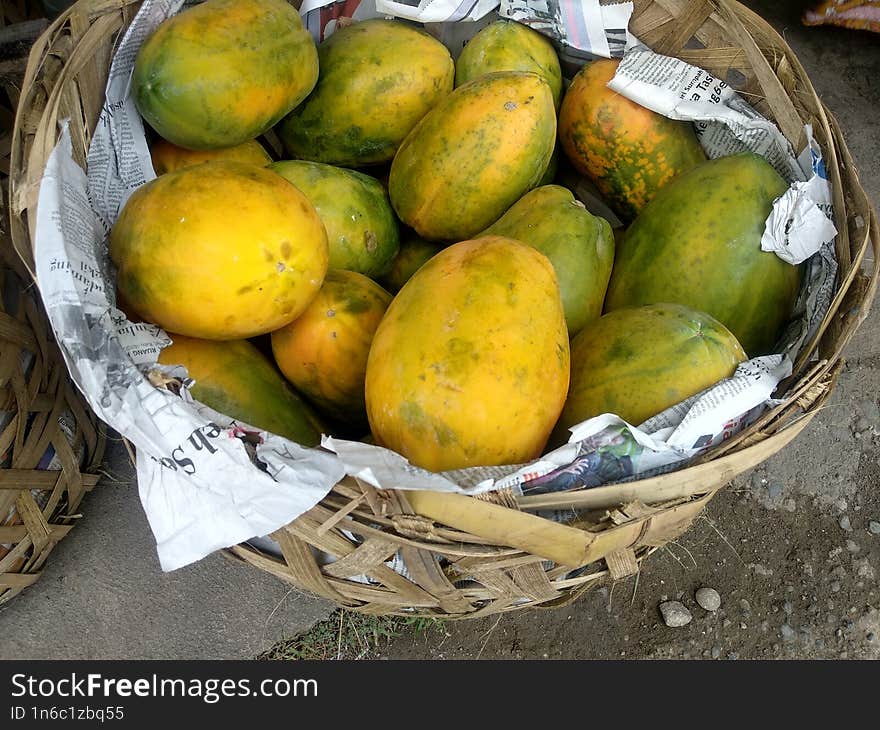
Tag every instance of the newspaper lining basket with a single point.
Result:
(340, 549)
(38, 506)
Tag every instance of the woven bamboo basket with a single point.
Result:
(342, 549)
(51, 445)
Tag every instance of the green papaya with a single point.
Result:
(236, 379)
(361, 227)
(698, 243)
(638, 361)
(579, 244)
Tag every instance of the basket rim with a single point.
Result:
(811, 381)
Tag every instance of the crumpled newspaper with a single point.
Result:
(206, 481)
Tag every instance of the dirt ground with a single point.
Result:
(792, 547)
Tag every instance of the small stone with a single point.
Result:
(819, 643)
(874, 527)
(774, 490)
(745, 606)
(787, 632)
(790, 505)
(788, 608)
(708, 598)
(852, 546)
(733, 656)
(716, 650)
(835, 586)
(725, 623)
(743, 625)
(675, 614)
(844, 523)
(870, 636)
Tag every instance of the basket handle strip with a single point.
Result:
(17, 479)
(780, 105)
(559, 543)
(17, 581)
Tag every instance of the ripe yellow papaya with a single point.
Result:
(221, 251)
(323, 352)
(474, 155)
(223, 72)
(378, 78)
(470, 364)
(627, 150)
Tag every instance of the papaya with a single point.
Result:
(579, 245)
(223, 72)
(550, 173)
(506, 45)
(414, 251)
(627, 150)
(361, 227)
(167, 157)
(470, 364)
(221, 251)
(237, 380)
(637, 361)
(474, 155)
(698, 243)
(377, 79)
(323, 352)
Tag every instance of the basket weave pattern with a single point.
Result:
(342, 548)
(44, 421)
(38, 507)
